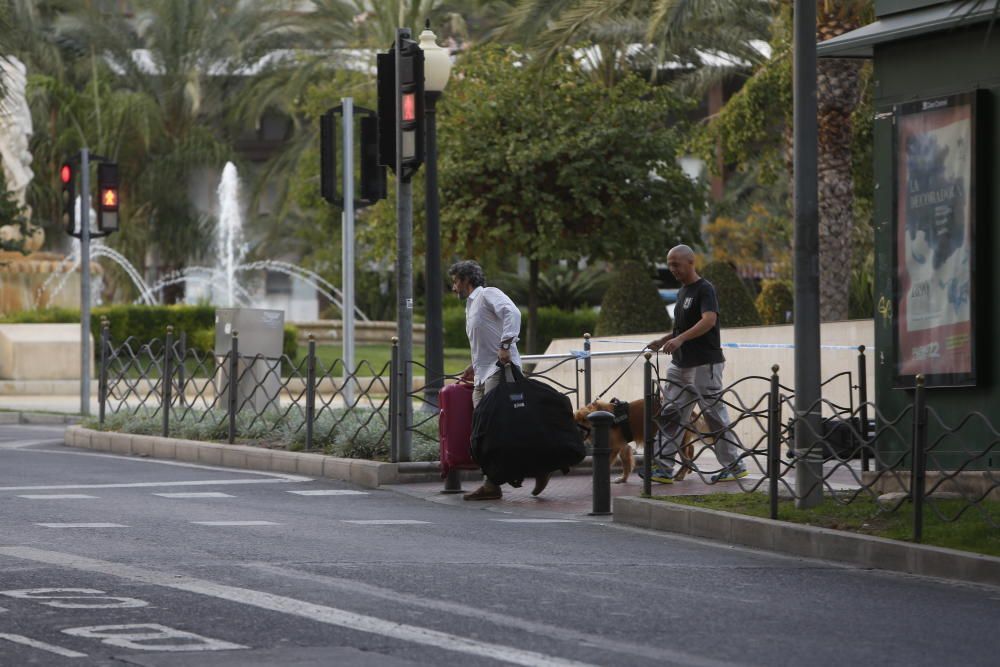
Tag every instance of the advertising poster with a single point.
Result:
(934, 248)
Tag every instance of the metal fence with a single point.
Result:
(851, 452)
(856, 452)
(225, 396)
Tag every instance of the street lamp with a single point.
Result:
(437, 68)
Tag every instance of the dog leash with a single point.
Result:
(620, 376)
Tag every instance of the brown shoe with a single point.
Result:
(540, 483)
(486, 492)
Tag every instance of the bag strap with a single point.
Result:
(515, 372)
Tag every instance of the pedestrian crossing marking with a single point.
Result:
(193, 494)
(57, 496)
(536, 520)
(329, 492)
(384, 522)
(235, 523)
(81, 525)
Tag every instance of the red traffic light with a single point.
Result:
(409, 107)
(66, 174)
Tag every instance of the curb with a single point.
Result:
(808, 541)
(369, 474)
(7, 418)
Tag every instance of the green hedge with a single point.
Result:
(775, 301)
(552, 323)
(145, 323)
(632, 303)
(736, 306)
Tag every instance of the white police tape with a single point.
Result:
(738, 346)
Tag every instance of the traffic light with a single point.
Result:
(404, 104)
(328, 158)
(372, 175)
(107, 188)
(67, 176)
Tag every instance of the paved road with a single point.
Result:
(108, 560)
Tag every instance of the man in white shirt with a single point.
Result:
(492, 323)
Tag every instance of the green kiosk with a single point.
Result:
(937, 237)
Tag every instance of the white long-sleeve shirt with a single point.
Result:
(490, 317)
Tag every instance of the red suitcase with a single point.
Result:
(455, 427)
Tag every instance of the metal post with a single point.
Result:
(809, 466)
(102, 382)
(863, 408)
(404, 271)
(919, 464)
(168, 380)
(434, 320)
(234, 369)
(182, 370)
(310, 391)
(647, 426)
(587, 370)
(393, 390)
(601, 456)
(347, 391)
(84, 282)
(773, 440)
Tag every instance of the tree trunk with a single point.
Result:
(532, 346)
(837, 90)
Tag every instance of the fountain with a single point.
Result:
(229, 231)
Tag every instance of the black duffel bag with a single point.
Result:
(524, 428)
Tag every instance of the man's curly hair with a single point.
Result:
(468, 270)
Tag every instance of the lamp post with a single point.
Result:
(437, 68)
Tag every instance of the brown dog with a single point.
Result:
(619, 447)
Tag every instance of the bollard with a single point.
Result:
(310, 390)
(863, 407)
(102, 378)
(919, 459)
(773, 441)
(168, 379)
(647, 426)
(234, 368)
(393, 390)
(587, 377)
(601, 455)
(453, 481)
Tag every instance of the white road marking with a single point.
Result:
(329, 492)
(57, 496)
(298, 608)
(195, 494)
(535, 520)
(235, 523)
(656, 653)
(288, 477)
(19, 444)
(139, 635)
(75, 598)
(147, 485)
(34, 643)
(385, 522)
(81, 525)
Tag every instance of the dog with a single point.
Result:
(620, 449)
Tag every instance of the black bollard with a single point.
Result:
(601, 454)
(453, 481)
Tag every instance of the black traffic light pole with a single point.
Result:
(107, 179)
(404, 258)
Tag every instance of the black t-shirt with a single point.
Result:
(693, 300)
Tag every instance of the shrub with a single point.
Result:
(736, 308)
(147, 323)
(559, 286)
(632, 304)
(552, 323)
(775, 301)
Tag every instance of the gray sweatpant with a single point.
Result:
(685, 387)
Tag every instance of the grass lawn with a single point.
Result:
(971, 532)
(455, 359)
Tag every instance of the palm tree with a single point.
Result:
(189, 59)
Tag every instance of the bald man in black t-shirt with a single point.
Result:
(695, 373)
